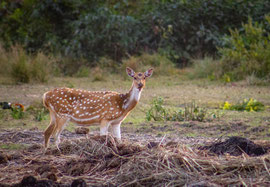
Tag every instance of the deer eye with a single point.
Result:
(135, 78)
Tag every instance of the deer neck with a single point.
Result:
(131, 98)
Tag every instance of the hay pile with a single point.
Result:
(104, 161)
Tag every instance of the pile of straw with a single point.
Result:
(128, 164)
(104, 161)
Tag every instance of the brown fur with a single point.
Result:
(88, 108)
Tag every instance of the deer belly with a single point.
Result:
(85, 120)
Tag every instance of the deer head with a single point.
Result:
(139, 78)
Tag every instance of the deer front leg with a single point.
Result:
(104, 126)
(116, 131)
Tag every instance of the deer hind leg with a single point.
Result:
(116, 131)
(59, 127)
(49, 131)
(104, 126)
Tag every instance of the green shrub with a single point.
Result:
(192, 111)
(246, 105)
(37, 109)
(41, 68)
(25, 68)
(83, 72)
(116, 29)
(41, 114)
(4, 59)
(189, 28)
(247, 52)
(20, 67)
(157, 112)
(17, 113)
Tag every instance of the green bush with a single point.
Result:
(193, 28)
(192, 111)
(37, 109)
(20, 67)
(157, 112)
(17, 113)
(248, 51)
(41, 68)
(25, 68)
(4, 59)
(116, 29)
(83, 72)
(246, 105)
(245, 55)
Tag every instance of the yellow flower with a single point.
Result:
(228, 79)
(250, 102)
(226, 106)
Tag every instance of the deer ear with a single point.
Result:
(130, 72)
(149, 72)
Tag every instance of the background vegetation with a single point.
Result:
(81, 34)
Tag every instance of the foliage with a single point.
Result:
(100, 32)
(192, 111)
(20, 69)
(40, 114)
(246, 54)
(17, 113)
(37, 109)
(23, 67)
(157, 112)
(249, 105)
(83, 72)
(41, 67)
(248, 51)
(116, 29)
(182, 29)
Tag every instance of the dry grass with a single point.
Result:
(103, 161)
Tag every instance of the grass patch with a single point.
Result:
(177, 93)
(12, 146)
(205, 68)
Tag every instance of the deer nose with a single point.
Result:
(140, 85)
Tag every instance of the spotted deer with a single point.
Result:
(106, 108)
